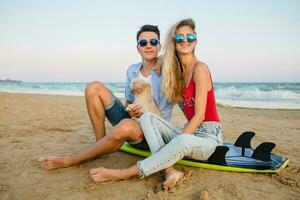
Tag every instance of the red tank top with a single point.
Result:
(188, 103)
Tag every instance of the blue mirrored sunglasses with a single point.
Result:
(144, 42)
(191, 37)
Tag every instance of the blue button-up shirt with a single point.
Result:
(161, 101)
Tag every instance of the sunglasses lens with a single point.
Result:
(143, 43)
(191, 37)
(153, 42)
(178, 38)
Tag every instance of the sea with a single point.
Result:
(247, 95)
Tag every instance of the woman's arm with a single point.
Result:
(202, 82)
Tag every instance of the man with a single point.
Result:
(102, 103)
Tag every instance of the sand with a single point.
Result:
(33, 125)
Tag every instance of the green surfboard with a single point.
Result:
(237, 157)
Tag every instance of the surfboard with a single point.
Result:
(236, 157)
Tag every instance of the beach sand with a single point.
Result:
(32, 126)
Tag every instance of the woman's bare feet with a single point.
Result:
(54, 162)
(172, 177)
(102, 174)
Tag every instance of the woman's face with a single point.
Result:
(185, 47)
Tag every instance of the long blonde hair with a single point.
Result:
(173, 70)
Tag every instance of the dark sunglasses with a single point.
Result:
(191, 37)
(144, 42)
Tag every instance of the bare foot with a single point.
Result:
(172, 177)
(102, 174)
(54, 162)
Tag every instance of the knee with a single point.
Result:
(146, 116)
(145, 120)
(183, 140)
(123, 130)
(93, 88)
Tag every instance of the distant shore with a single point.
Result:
(9, 81)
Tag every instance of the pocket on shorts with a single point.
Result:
(116, 112)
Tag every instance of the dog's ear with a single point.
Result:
(138, 86)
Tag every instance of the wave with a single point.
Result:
(235, 93)
(252, 95)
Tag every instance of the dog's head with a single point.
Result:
(138, 86)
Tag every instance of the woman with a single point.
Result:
(187, 81)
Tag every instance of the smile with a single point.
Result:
(185, 45)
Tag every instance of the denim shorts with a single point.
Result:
(115, 113)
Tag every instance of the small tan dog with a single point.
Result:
(142, 92)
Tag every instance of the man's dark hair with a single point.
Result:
(148, 28)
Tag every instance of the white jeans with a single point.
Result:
(168, 145)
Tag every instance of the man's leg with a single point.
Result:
(98, 97)
(162, 159)
(102, 174)
(126, 130)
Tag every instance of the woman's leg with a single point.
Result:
(198, 147)
(162, 159)
(183, 145)
(172, 177)
(157, 131)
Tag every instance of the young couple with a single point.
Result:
(185, 80)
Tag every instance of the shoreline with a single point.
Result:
(218, 104)
(34, 125)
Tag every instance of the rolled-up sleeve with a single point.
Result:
(128, 95)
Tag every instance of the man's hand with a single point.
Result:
(134, 110)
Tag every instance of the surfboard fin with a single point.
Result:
(218, 157)
(263, 151)
(244, 141)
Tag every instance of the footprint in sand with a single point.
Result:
(4, 188)
(286, 180)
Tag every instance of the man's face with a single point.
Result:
(149, 51)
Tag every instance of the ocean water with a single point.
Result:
(250, 95)
(259, 95)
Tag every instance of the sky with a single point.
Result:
(83, 41)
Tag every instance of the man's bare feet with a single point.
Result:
(102, 174)
(54, 162)
(172, 177)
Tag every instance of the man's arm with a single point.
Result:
(134, 110)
